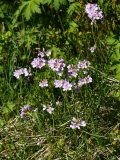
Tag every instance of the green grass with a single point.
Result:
(94, 103)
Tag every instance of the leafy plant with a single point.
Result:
(27, 8)
(114, 42)
(7, 110)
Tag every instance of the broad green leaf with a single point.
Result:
(101, 2)
(117, 94)
(28, 8)
(116, 56)
(118, 45)
(27, 12)
(63, 2)
(73, 24)
(47, 1)
(5, 110)
(38, 1)
(118, 69)
(56, 4)
(10, 106)
(71, 8)
(24, 57)
(110, 40)
(80, 43)
(35, 7)
(67, 43)
(118, 76)
(113, 67)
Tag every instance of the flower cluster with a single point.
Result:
(25, 110)
(83, 64)
(43, 53)
(65, 84)
(85, 80)
(94, 12)
(44, 83)
(76, 123)
(58, 103)
(57, 65)
(93, 48)
(72, 71)
(22, 71)
(48, 108)
(38, 62)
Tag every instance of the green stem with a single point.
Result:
(60, 22)
(93, 35)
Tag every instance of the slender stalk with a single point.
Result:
(60, 21)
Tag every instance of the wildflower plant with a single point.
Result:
(38, 62)
(76, 123)
(94, 12)
(25, 111)
(92, 49)
(48, 108)
(44, 83)
(22, 71)
(68, 77)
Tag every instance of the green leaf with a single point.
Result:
(118, 45)
(110, 40)
(113, 67)
(73, 24)
(67, 43)
(56, 4)
(116, 67)
(1, 14)
(5, 110)
(47, 1)
(34, 7)
(11, 106)
(71, 8)
(101, 2)
(1, 122)
(28, 8)
(117, 95)
(80, 43)
(116, 56)
(63, 2)
(118, 76)
(27, 12)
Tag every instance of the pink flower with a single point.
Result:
(48, 108)
(76, 123)
(44, 83)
